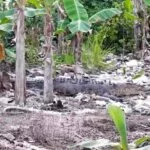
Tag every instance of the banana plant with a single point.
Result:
(78, 25)
(118, 117)
(147, 2)
(46, 6)
(78, 15)
(43, 7)
(7, 26)
(48, 49)
(81, 22)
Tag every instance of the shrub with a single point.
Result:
(93, 54)
(32, 57)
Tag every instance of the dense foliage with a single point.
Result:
(117, 34)
(95, 5)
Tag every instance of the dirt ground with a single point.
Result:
(57, 133)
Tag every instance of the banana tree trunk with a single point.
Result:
(61, 44)
(139, 27)
(20, 59)
(48, 64)
(78, 47)
(60, 36)
(78, 54)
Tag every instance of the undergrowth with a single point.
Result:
(93, 52)
(32, 57)
(64, 59)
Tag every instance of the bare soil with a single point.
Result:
(57, 133)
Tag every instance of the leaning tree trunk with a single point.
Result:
(48, 64)
(20, 58)
(139, 27)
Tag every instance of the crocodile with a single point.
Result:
(71, 87)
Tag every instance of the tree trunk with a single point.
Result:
(48, 64)
(78, 47)
(20, 59)
(139, 27)
(78, 54)
(60, 44)
(61, 35)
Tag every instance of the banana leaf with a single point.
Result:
(31, 12)
(104, 15)
(75, 10)
(79, 26)
(7, 27)
(147, 2)
(7, 14)
(78, 15)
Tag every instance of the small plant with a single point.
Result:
(67, 58)
(32, 57)
(118, 117)
(10, 55)
(94, 54)
(138, 74)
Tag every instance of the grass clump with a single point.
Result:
(67, 59)
(93, 53)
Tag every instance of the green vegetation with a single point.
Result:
(115, 35)
(138, 74)
(32, 57)
(141, 141)
(67, 59)
(93, 54)
(111, 24)
(10, 55)
(118, 117)
(81, 31)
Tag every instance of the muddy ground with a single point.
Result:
(56, 132)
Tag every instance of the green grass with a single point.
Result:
(64, 59)
(93, 53)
